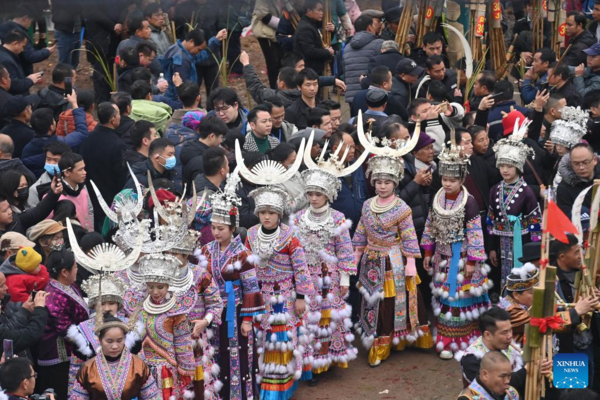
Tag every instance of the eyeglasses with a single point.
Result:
(578, 164)
(222, 110)
(33, 376)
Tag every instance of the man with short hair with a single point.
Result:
(594, 27)
(4, 94)
(429, 116)
(53, 151)
(437, 71)
(308, 84)
(483, 86)
(211, 132)
(228, 107)
(583, 168)
(591, 102)
(103, 154)
(579, 38)
(123, 102)
(320, 118)
(380, 77)
(8, 162)
(19, 110)
(392, 18)
(308, 40)
(24, 17)
(363, 46)
(140, 31)
(18, 378)
(282, 129)
(13, 45)
(182, 57)
(73, 175)
(161, 163)
(189, 95)
(407, 74)
(259, 138)
(53, 97)
(559, 79)
(216, 168)
(142, 135)
(553, 108)
(493, 380)
(44, 126)
(156, 18)
(503, 103)
(433, 45)
(588, 79)
(542, 59)
(376, 104)
(142, 107)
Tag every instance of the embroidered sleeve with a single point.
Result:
(408, 236)
(359, 241)
(252, 301)
(427, 242)
(532, 216)
(78, 392)
(74, 367)
(149, 390)
(302, 279)
(343, 248)
(474, 232)
(213, 304)
(182, 341)
(489, 220)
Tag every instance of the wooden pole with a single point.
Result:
(326, 38)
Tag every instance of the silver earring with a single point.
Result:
(168, 296)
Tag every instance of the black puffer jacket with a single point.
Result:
(307, 41)
(191, 159)
(24, 328)
(416, 196)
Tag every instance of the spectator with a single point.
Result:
(19, 109)
(228, 107)
(15, 189)
(143, 74)
(389, 57)
(216, 168)
(103, 152)
(143, 134)
(483, 86)
(579, 38)
(504, 102)
(433, 45)
(4, 95)
(376, 104)
(407, 74)
(142, 107)
(553, 109)
(68, 21)
(591, 102)
(48, 236)
(54, 96)
(307, 38)
(392, 18)
(363, 47)
(11, 242)
(24, 16)
(320, 118)
(44, 125)
(24, 273)
(66, 120)
(160, 163)
(6, 160)
(493, 378)
(379, 77)
(259, 138)
(596, 22)
(182, 57)
(123, 102)
(140, 31)
(308, 84)
(73, 172)
(129, 60)
(155, 16)
(189, 95)
(428, 115)
(12, 46)
(560, 81)
(437, 71)
(588, 79)
(211, 132)
(265, 19)
(282, 130)
(542, 59)
(577, 175)
(286, 89)
(53, 152)
(17, 376)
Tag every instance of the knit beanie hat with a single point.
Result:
(192, 119)
(28, 259)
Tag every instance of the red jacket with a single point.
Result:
(20, 284)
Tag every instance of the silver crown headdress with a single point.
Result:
(569, 130)
(387, 162)
(113, 289)
(159, 268)
(323, 175)
(269, 173)
(451, 163)
(225, 202)
(175, 212)
(512, 150)
(105, 257)
(188, 244)
(127, 207)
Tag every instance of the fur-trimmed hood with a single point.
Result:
(569, 175)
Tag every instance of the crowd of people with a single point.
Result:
(160, 245)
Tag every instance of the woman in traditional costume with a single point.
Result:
(514, 212)
(453, 245)
(66, 307)
(283, 276)
(385, 244)
(227, 259)
(114, 373)
(325, 235)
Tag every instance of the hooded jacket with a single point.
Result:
(261, 93)
(157, 113)
(20, 283)
(570, 187)
(363, 47)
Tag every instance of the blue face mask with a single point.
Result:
(170, 163)
(51, 169)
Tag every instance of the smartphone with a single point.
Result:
(68, 86)
(41, 73)
(8, 349)
(34, 291)
(493, 96)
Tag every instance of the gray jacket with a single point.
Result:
(586, 83)
(160, 39)
(357, 55)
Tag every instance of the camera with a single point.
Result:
(43, 396)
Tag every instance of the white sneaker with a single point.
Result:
(446, 355)
(377, 363)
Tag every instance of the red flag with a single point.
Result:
(558, 223)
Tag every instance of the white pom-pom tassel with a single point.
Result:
(440, 346)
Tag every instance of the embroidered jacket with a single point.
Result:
(476, 391)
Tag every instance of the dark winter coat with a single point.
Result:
(363, 47)
(191, 159)
(20, 83)
(20, 133)
(417, 197)
(28, 218)
(53, 98)
(141, 173)
(66, 15)
(16, 163)
(402, 91)
(124, 129)
(297, 113)
(570, 187)
(30, 55)
(578, 44)
(247, 217)
(261, 93)
(24, 328)
(307, 41)
(571, 94)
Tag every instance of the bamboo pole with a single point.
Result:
(326, 38)
(404, 26)
(423, 9)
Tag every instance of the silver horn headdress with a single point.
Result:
(269, 173)
(225, 202)
(128, 207)
(323, 175)
(176, 212)
(452, 164)
(387, 162)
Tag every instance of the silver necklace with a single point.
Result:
(265, 244)
(447, 225)
(377, 209)
(183, 284)
(315, 231)
(157, 309)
